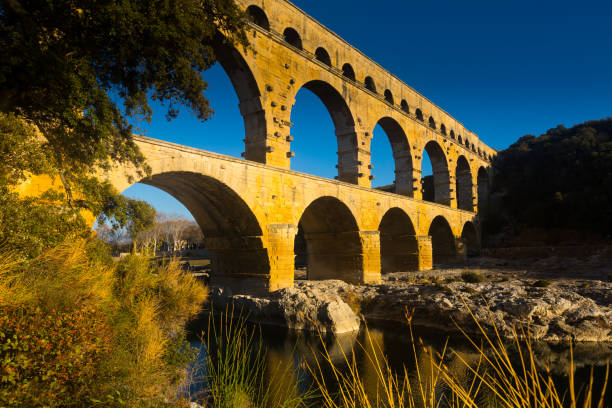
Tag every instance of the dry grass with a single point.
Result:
(490, 378)
(145, 304)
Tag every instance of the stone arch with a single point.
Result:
(322, 55)
(348, 71)
(369, 84)
(249, 95)
(232, 232)
(469, 234)
(467, 143)
(432, 122)
(291, 36)
(401, 155)
(459, 139)
(444, 250)
(332, 240)
(482, 181)
(398, 242)
(258, 17)
(452, 134)
(443, 129)
(463, 178)
(388, 96)
(404, 106)
(339, 111)
(441, 177)
(344, 125)
(334, 102)
(419, 114)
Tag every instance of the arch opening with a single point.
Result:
(308, 133)
(290, 36)
(232, 232)
(389, 96)
(482, 181)
(396, 176)
(459, 139)
(322, 55)
(348, 72)
(258, 17)
(328, 241)
(436, 188)
(398, 242)
(419, 114)
(246, 88)
(432, 122)
(463, 178)
(469, 235)
(443, 129)
(452, 134)
(369, 84)
(404, 106)
(442, 242)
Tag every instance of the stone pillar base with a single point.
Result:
(425, 252)
(350, 256)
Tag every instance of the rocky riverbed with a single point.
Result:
(553, 309)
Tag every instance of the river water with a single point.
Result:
(288, 352)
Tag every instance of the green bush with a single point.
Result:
(472, 277)
(48, 358)
(111, 334)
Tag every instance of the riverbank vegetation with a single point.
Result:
(79, 330)
(494, 373)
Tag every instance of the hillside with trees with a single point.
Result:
(559, 180)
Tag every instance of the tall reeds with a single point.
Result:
(496, 377)
(239, 372)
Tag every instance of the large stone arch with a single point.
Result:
(398, 242)
(441, 176)
(232, 232)
(343, 120)
(402, 156)
(249, 95)
(444, 248)
(463, 184)
(332, 239)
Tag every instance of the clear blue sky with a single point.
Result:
(502, 68)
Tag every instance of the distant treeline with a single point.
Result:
(561, 179)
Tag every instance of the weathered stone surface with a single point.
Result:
(301, 308)
(437, 300)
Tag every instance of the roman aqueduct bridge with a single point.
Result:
(252, 210)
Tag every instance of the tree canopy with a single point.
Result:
(74, 75)
(561, 179)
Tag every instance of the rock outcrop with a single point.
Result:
(551, 311)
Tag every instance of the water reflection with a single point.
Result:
(289, 353)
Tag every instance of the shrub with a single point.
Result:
(472, 277)
(77, 302)
(48, 358)
(541, 283)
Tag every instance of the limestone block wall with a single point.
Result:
(250, 212)
(357, 92)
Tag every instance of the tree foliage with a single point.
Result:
(65, 63)
(73, 76)
(561, 179)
